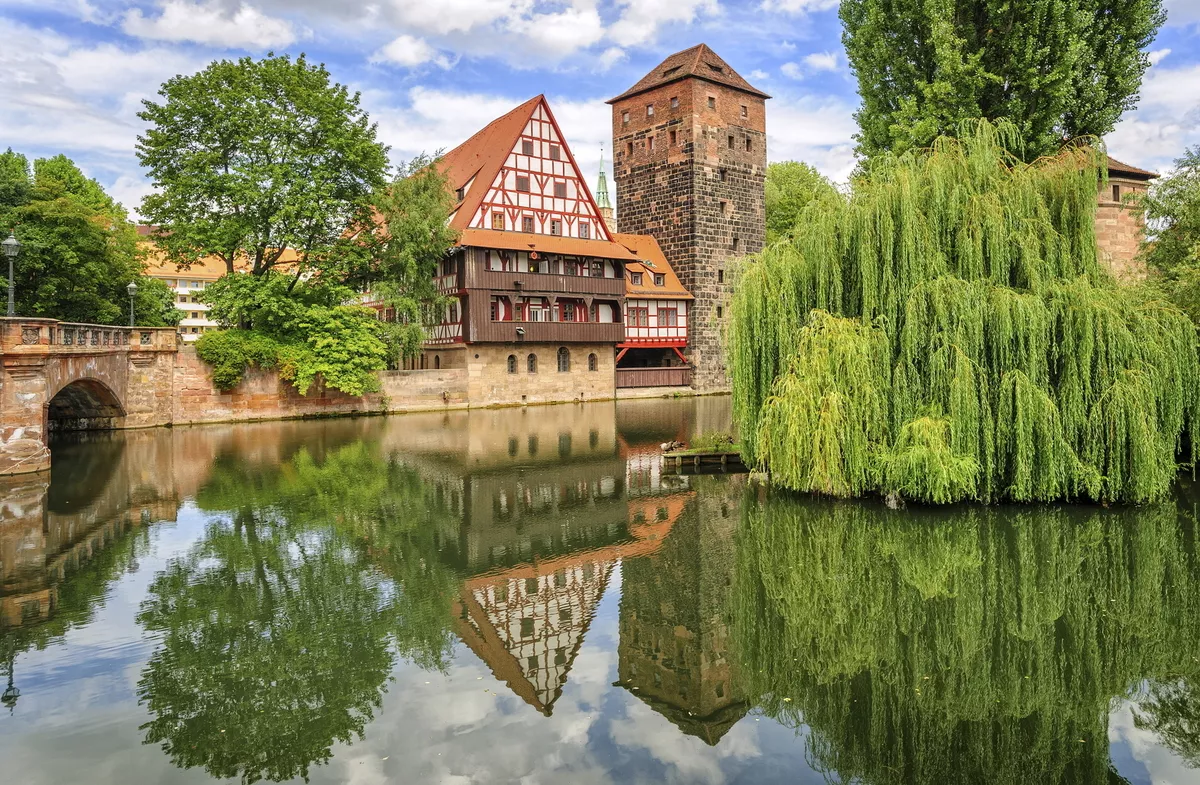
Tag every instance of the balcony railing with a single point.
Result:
(654, 377)
(479, 278)
(547, 332)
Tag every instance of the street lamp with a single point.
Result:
(132, 289)
(11, 249)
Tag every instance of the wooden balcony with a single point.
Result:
(547, 332)
(542, 283)
(654, 377)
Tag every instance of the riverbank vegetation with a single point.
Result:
(946, 332)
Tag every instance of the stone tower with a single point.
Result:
(690, 162)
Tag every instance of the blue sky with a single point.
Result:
(73, 72)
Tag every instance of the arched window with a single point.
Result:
(512, 363)
(437, 362)
(593, 361)
(531, 362)
(564, 360)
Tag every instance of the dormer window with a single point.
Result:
(671, 70)
(716, 68)
(526, 147)
(635, 279)
(660, 279)
(460, 193)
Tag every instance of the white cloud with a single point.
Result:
(1166, 121)
(610, 57)
(798, 6)
(791, 70)
(818, 130)
(1181, 13)
(559, 34)
(453, 16)
(759, 74)
(410, 52)
(823, 61)
(211, 23)
(640, 20)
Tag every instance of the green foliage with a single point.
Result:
(300, 328)
(988, 645)
(790, 186)
(712, 441)
(1056, 69)
(255, 157)
(961, 281)
(78, 249)
(1172, 252)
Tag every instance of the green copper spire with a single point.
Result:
(602, 200)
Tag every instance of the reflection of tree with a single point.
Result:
(279, 629)
(983, 645)
(1172, 711)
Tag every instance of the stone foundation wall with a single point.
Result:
(489, 382)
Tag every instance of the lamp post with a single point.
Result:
(11, 249)
(132, 289)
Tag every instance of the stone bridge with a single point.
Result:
(60, 376)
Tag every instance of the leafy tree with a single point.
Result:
(1057, 69)
(255, 157)
(302, 328)
(79, 250)
(399, 261)
(1172, 210)
(790, 186)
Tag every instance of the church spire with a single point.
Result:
(602, 201)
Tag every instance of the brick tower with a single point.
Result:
(690, 161)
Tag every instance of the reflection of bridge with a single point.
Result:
(55, 375)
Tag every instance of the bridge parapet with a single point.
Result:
(49, 336)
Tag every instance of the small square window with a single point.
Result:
(527, 147)
(672, 138)
(498, 220)
(585, 230)
(560, 190)
(712, 102)
(555, 227)
(555, 152)
(745, 111)
(674, 102)
(624, 118)
(523, 183)
(660, 279)
(526, 223)
(649, 110)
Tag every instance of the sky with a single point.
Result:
(73, 73)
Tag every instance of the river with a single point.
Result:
(528, 595)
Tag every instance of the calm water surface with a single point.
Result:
(528, 596)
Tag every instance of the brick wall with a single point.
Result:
(490, 383)
(701, 197)
(1120, 229)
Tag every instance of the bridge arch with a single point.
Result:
(84, 404)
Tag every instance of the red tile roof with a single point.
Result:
(652, 261)
(1119, 168)
(699, 62)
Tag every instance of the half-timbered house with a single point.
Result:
(657, 308)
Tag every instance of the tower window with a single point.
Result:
(1116, 193)
(749, 144)
(720, 312)
(527, 147)
(650, 143)
(674, 102)
(712, 102)
(672, 138)
(523, 183)
(735, 245)
(624, 118)
(556, 152)
(526, 223)
(724, 209)
(498, 220)
(720, 276)
(629, 148)
(722, 175)
(560, 190)
(745, 112)
(649, 110)
(731, 141)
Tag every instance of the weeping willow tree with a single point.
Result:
(947, 332)
(982, 646)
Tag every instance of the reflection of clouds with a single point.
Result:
(686, 758)
(1161, 765)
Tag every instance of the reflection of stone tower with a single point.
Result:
(690, 164)
(674, 647)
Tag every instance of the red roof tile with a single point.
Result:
(699, 62)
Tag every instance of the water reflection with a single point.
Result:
(970, 646)
(320, 571)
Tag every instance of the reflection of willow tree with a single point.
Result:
(980, 646)
(1171, 710)
(278, 628)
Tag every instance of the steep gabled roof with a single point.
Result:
(479, 159)
(698, 62)
(651, 260)
(1121, 169)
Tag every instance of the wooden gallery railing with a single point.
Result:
(654, 377)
